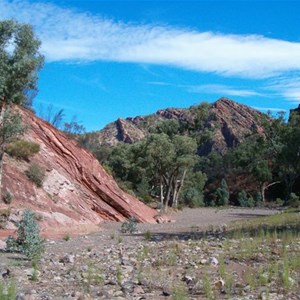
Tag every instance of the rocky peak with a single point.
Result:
(127, 132)
(171, 113)
(232, 122)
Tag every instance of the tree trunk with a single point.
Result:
(3, 107)
(168, 193)
(161, 192)
(178, 189)
(264, 187)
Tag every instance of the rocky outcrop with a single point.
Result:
(231, 122)
(77, 194)
(127, 132)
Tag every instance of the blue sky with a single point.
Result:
(110, 59)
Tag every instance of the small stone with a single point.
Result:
(2, 245)
(29, 295)
(166, 293)
(213, 261)
(219, 284)
(69, 258)
(118, 294)
(203, 261)
(138, 290)
(32, 272)
(188, 279)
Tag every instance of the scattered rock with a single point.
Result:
(2, 245)
(213, 261)
(69, 258)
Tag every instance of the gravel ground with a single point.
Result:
(132, 267)
(202, 218)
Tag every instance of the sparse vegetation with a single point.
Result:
(148, 235)
(22, 149)
(36, 174)
(8, 290)
(28, 241)
(8, 197)
(66, 237)
(4, 214)
(129, 226)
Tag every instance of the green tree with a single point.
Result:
(28, 239)
(223, 193)
(192, 191)
(20, 62)
(289, 156)
(168, 161)
(11, 126)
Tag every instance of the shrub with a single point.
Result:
(22, 149)
(36, 174)
(258, 199)
(4, 215)
(294, 200)
(8, 197)
(148, 235)
(223, 193)
(192, 197)
(129, 226)
(7, 290)
(244, 200)
(28, 241)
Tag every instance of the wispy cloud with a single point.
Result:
(287, 87)
(161, 83)
(221, 89)
(69, 35)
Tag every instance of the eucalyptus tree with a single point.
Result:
(20, 61)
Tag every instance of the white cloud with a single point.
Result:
(69, 35)
(287, 87)
(221, 89)
(161, 83)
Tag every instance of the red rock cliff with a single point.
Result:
(77, 194)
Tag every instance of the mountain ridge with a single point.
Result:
(231, 122)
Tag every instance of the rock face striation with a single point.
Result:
(77, 194)
(231, 123)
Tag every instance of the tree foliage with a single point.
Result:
(20, 61)
(28, 240)
(11, 126)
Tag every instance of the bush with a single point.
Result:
(4, 215)
(294, 200)
(258, 199)
(244, 200)
(22, 149)
(8, 197)
(28, 241)
(36, 174)
(193, 198)
(129, 226)
(8, 290)
(223, 194)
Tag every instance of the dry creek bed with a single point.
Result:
(191, 258)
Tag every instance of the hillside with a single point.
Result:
(76, 195)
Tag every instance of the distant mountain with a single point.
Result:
(76, 195)
(231, 123)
